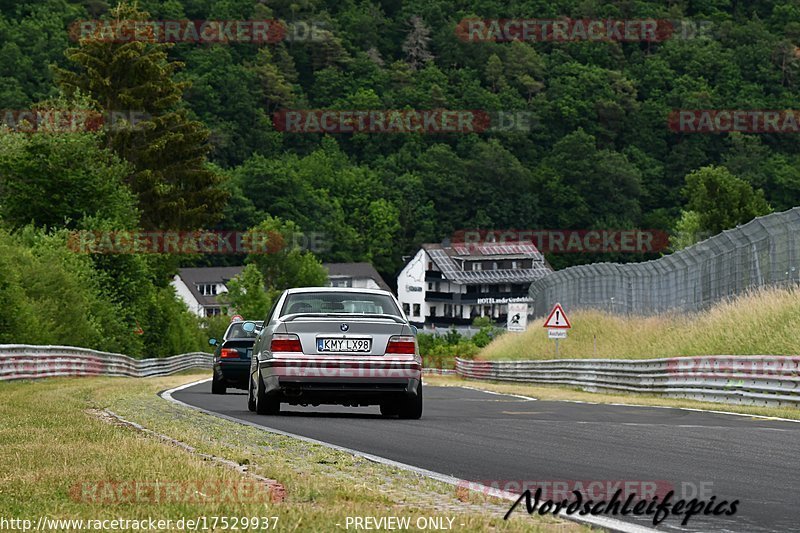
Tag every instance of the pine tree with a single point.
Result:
(374, 55)
(278, 92)
(168, 150)
(416, 44)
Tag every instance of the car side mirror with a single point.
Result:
(212, 342)
(249, 327)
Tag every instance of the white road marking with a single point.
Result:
(527, 398)
(694, 409)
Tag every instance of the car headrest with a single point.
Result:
(333, 306)
(299, 307)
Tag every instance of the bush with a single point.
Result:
(52, 295)
(440, 351)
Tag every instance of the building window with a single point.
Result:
(484, 288)
(430, 286)
(514, 264)
(207, 289)
(433, 311)
(494, 265)
(430, 265)
(416, 309)
(342, 282)
(406, 309)
(477, 266)
(213, 311)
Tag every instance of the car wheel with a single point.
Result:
(412, 409)
(264, 404)
(389, 409)
(217, 386)
(251, 401)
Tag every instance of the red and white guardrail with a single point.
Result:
(25, 361)
(746, 379)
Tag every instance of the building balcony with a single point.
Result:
(432, 296)
(446, 321)
(433, 275)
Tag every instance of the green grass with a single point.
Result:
(51, 439)
(764, 322)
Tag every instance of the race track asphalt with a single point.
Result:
(484, 437)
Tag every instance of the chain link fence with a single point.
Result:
(763, 252)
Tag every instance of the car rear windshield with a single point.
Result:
(339, 303)
(236, 331)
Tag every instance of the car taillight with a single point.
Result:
(229, 353)
(282, 342)
(401, 344)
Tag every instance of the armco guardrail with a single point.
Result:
(23, 361)
(752, 380)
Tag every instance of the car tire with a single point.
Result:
(217, 387)
(411, 409)
(389, 409)
(251, 401)
(264, 404)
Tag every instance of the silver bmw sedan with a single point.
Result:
(352, 347)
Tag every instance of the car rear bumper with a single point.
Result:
(233, 372)
(363, 380)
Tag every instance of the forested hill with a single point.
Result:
(599, 153)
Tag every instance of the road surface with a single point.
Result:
(479, 436)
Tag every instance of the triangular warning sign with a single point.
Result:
(557, 318)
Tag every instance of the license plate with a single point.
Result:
(249, 353)
(344, 345)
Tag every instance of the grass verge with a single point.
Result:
(52, 441)
(560, 393)
(763, 322)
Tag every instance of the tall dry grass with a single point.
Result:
(765, 321)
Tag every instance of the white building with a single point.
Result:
(444, 285)
(199, 287)
(359, 275)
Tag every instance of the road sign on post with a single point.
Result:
(557, 324)
(557, 319)
(517, 317)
